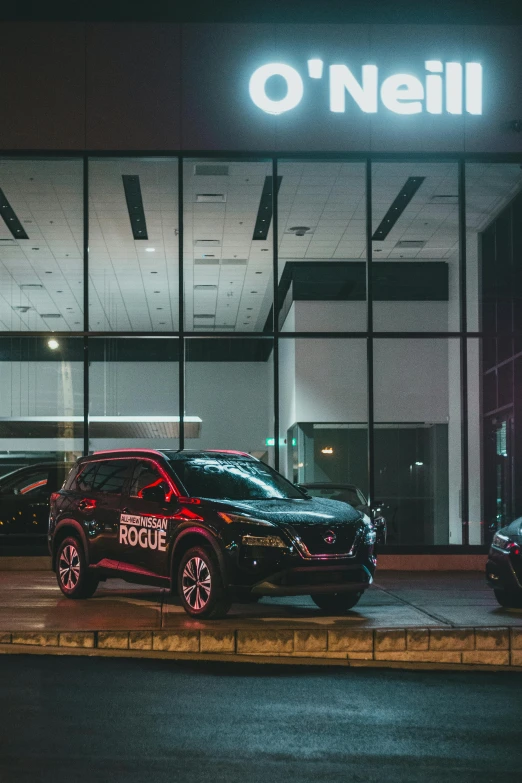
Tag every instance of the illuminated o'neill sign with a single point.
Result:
(446, 88)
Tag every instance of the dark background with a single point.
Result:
(346, 11)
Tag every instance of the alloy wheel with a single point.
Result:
(69, 567)
(196, 583)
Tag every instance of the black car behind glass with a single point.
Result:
(212, 526)
(24, 498)
(350, 493)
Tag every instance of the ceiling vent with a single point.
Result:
(410, 244)
(22, 308)
(7, 242)
(206, 261)
(210, 198)
(205, 287)
(299, 231)
(233, 262)
(27, 286)
(204, 315)
(211, 169)
(207, 243)
(444, 199)
(50, 315)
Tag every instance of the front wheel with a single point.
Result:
(72, 572)
(200, 584)
(336, 603)
(508, 599)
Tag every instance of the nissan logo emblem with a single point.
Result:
(330, 537)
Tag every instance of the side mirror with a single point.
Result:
(156, 493)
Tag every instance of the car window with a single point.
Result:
(85, 478)
(32, 483)
(111, 476)
(145, 475)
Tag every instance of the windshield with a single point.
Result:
(224, 478)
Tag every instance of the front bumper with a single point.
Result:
(501, 573)
(316, 579)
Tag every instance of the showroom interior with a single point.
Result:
(137, 302)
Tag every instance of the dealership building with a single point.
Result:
(299, 241)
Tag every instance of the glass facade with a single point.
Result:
(351, 322)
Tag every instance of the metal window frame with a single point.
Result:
(274, 334)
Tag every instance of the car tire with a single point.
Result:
(336, 603)
(508, 599)
(200, 584)
(75, 580)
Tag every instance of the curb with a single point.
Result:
(461, 648)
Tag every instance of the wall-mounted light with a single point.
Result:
(327, 450)
(53, 344)
(419, 464)
(150, 249)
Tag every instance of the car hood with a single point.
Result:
(292, 511)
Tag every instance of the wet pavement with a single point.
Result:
(31, 601)
(129, 721)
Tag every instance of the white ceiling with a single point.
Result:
(134, 284)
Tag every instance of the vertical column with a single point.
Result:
(181, 308)
(85, 305)
(369, 329)
(275, 309)
(463, 355)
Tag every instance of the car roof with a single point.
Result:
(169, 454)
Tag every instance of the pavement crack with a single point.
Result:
(432, 615)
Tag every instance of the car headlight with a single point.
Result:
(500, 541)
(369, 532)
(506, 544)
(242, 520)
(263, 541)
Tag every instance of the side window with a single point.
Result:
(33, 484)
(85, 478)
(145, 475)
(111, 476)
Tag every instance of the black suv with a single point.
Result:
(213, 525)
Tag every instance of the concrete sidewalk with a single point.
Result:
(446, 618)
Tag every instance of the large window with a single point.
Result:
(41, 245)
(409, 400)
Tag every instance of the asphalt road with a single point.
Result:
(112, 720)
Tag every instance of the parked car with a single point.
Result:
(504, 565)
(213, 526)
(349, 493)
(24, 497)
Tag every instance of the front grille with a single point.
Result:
(314, 540)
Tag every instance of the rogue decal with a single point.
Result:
(146, 532)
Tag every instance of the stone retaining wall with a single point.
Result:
(457, 646)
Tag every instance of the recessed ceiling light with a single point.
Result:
(159, 308)
(253, 292)
(150, 249)
(259, 273)
(48, 273)
(154, 273)
(59, 292)
(53, 344)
